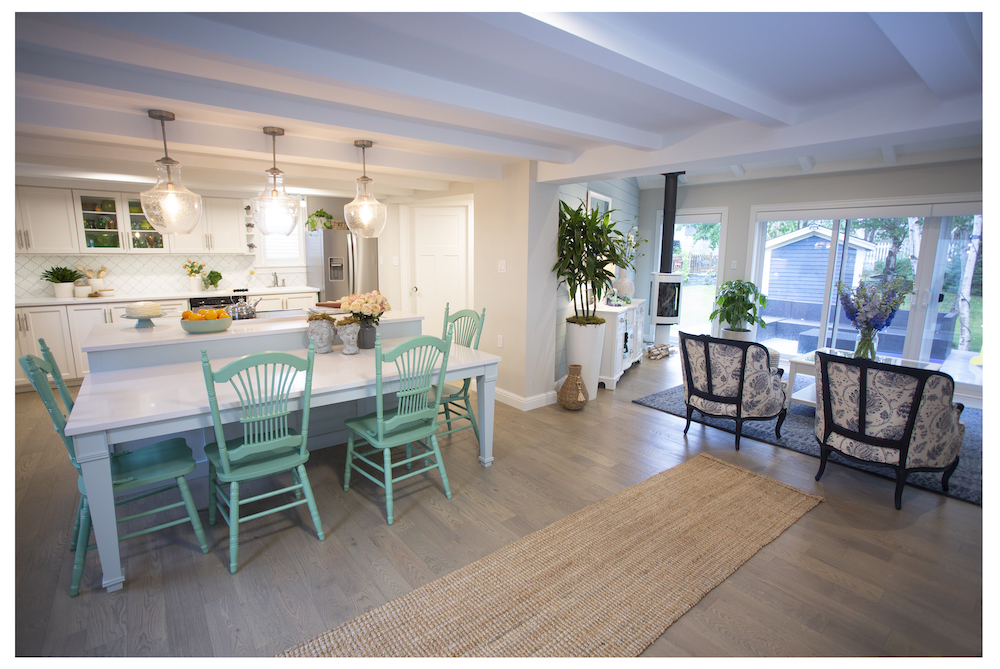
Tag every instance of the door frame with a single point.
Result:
(407, 260)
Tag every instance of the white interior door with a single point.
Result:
(439, 267)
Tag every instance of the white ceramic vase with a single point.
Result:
(583, 347)
(195, 284)
(349, 335)
(737, 335)
(322, 331)
(623, 285)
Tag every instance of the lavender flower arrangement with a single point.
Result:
(870, 307)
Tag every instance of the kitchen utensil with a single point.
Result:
(103, 272)
(89, 273)
(241, 310)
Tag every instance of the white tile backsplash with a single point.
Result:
(149, 274)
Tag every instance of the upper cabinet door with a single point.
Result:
(142, 238)
(47, 221)
(227, 232)
(102, 223)
(195, 241)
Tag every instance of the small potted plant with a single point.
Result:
(194, 270)
(367, 308)
(347, 330)
(63, 280)
(736, 303)
(322, 329)
(319, 219)
(212, 279)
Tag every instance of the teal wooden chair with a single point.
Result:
(455, 404)
(263, 383)
(156, 463)
(412, 423)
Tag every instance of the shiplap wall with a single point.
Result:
(624, 194)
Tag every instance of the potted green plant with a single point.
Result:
(63, 279)
(736, 303)
(212, 279)
(319, 219)
(588, 244)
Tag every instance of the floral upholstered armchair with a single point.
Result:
(726, 378)
(908, 421)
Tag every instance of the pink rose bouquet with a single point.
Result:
(366, 307)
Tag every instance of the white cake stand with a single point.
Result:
(143, 321)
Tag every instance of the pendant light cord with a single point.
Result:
(163, 130)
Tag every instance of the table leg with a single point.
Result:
(791, 385)
(485, 397)
(92, 452)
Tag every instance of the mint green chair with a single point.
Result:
(456, 405)
(412, 423)
(156, 463)
(264, 383)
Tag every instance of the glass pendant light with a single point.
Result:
(365, 216)
(169, 207)
(274, 211)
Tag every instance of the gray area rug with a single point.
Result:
(797, 435)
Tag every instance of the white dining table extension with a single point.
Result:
(152, 403)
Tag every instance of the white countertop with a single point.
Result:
(167, 330)
(122, 296)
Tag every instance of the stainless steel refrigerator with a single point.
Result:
(350, 264)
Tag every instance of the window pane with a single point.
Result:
(696, 256)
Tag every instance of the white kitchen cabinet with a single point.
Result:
(622, 340)
(50, 323)
(44, 221)
(85, 316)
(290, 301)
(222, 229)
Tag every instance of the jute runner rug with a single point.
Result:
(604, 581)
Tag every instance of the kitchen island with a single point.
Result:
(120, 345)
(134, 407)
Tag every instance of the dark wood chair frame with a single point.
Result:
(710, 396)
(902, 444)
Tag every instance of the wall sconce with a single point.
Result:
(275, 212)
(169, 207)
(365, 216)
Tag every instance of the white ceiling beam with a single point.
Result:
(257, 58)
(596, 39)
(941, 47)
(902, 116)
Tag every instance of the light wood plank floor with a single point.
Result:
(852, 577)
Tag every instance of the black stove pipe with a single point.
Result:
(669, 218)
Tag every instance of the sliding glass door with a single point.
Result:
(804, 262)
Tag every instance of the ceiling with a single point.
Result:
(450, 98)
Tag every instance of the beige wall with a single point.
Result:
(517, 221)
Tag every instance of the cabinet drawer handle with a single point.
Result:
(27, 240)
(20, 240)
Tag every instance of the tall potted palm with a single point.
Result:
(588, 245)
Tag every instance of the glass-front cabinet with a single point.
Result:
(114, 223)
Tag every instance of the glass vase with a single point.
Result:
(867, 343)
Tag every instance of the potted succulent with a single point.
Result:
(587, 246)
(736, 303)
(63, 280)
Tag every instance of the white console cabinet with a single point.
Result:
(622, 340)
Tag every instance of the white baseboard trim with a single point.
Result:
(525, 403)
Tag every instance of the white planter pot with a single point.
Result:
(737, 335)
(195, 284)
(583, 347)
(63, 290)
